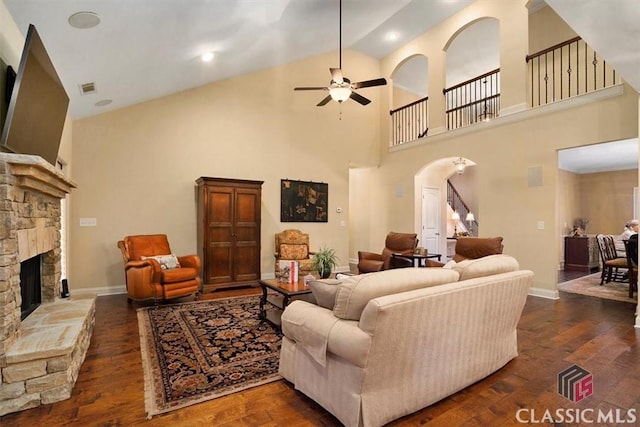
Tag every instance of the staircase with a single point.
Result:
(456, 204)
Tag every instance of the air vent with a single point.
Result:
(87, 88)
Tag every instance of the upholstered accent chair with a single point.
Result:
(293, 245)
(403, 243)
(153, 272)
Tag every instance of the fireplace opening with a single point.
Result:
(30, 285)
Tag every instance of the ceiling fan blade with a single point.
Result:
(311, 88)
(359, 98)
(369, 83)
(324, 101)
(336, 75)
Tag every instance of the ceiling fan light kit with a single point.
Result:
(340, 88)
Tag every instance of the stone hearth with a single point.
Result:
(41, 356)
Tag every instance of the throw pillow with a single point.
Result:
(449, 264)
(324, 291)
(166, 261)
(293, 251)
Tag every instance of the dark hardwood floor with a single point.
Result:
(596, 334)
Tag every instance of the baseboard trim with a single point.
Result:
(544, 293)
(100, 290)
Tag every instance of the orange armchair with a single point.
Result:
(403, 243)
(153, 272)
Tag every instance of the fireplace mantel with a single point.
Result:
(35, 173)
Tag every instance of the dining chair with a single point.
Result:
(614, 268)
(631, 249)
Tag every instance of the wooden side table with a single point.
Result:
(284, 294)
(417, 259)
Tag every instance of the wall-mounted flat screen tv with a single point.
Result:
(38, 105)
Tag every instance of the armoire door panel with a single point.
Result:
(221, 206)
(246, 205)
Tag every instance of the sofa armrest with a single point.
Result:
(318, 331)
(309, 326)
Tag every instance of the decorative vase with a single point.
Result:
(324, 272)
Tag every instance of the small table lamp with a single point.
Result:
(455, 216)
(470, 218)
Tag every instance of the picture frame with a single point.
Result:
(304, 201)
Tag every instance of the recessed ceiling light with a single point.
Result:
(84, 20)
(392, 36)
(103, 102)
(207, 57)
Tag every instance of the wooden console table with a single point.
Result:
(581, 254)
(417, 259)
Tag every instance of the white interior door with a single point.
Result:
(430, 238)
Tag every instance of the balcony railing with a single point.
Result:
(567, 69)
(409, 122)
(474, 100)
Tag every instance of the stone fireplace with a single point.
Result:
(40, 356)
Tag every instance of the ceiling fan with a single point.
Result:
(340, 88)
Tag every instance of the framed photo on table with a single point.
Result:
(303, 201)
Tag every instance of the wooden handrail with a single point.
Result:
(487, 74)
(426, 98)
(552, 48)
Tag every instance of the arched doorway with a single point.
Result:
(434, 207)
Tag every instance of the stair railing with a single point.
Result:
(458, 205)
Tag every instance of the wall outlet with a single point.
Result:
(540, 225)
(88, 222)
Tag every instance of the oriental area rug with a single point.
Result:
(198, 351)
(590, 285)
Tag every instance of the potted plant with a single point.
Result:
(324, 261)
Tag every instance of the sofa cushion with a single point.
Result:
(486, 266)
(355, 292)
(324, 291)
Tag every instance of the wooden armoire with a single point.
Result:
(229, 232)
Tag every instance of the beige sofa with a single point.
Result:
(397, 341)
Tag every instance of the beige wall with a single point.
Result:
(547, 29)
(606, 199)
(136, 167)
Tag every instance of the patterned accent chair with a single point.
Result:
(291, 245)
(153, 272)
(403, 243)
